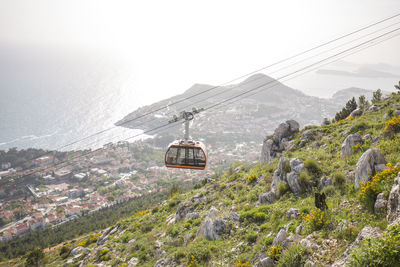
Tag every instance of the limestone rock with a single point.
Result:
(213, 226)
(293, 179)
(324, 182)
(325, 121)
(292, 213)
(357, 112)
(133, 262)
(266, 262)
(393, 205)
(280, 238)
(267, 198)
(192, 215)
(182, 210)
(77, 251)
(365, 167)
(280, 173)
(366, 232)
(279, 141)
(380, 204)
(349, 143)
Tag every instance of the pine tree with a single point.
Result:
(376, 96)
(397, 87)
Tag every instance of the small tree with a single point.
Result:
(363, 102)
(376, 96)
(397, 87)
(35, 257)
(346, 110)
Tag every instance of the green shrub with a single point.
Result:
(359, 127)
(293, 256)
(173, 231)
(329, 190)
(380, 251)
(260, 217)
(64, 251)
(102, 255)
(268, 241)
(286, 166)
(125, 237)
(313, 168)
(282, 188)
(251, 236)
(199, 251)
(338, 179)
(305, 179)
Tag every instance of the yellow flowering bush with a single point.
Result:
(252, 178)
(275, 251)
(143, 212)
(193, 262)
(349, 118)
(242, 264)
(381, 182)
(392, 127)
(316, 220)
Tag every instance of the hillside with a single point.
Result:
(264, 214)
(245, 120)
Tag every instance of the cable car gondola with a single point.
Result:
(186, 154)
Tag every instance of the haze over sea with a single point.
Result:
(50, 98)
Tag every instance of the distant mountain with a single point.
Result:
(268, 104)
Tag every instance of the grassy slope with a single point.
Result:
(232, 192)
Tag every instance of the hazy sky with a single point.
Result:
(170, 45)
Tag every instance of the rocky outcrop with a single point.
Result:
(213, 226)
(393, 205)
(267, 198)
(133, 262)
(380, 204)
(325, 122)
(349, 143)
(280, 173)
(293, 179)
(292, 213)
(356, 113)
(280, 238)
(366, 232)
(279, 141)
(365, 167)
(324, 182)
(104, 237)
(266, 262)
(307, 136)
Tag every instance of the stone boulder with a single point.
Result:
(325, 121)
(77, 251)
(380, 204)
(307, 136)
(293, 179)
(365, 233)
(279, 141)
(280, 238)
(292, 213)
(213, 226)
(267, 198)
(280, 173)
(192, 215)
(133, 262)
(182, 210)
(393, 205)
(349, 143)
(356, 113)
(365, 167)
(266, 262)
(324, 182)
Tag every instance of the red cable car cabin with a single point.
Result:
(186, 155)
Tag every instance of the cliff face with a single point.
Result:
(248, 119)
(306, 206)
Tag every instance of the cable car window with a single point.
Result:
(172, 155)
(200, 157)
